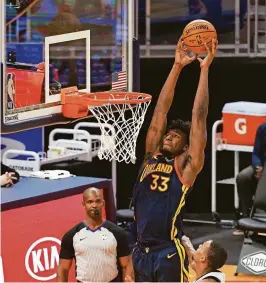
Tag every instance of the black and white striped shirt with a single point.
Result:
(217, 275)
(95, 251)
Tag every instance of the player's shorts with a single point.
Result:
(160, 264)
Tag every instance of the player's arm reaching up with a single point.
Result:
(194, 159)
(189, 249)
(159, 120)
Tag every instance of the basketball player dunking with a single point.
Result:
(173, 160)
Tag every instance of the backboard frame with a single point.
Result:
(18, 116)
(60, 39)
(52, 114)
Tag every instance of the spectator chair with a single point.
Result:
(125, 216)
(252, 258)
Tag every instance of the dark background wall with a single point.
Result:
(230, 80)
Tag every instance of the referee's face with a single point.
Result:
(93, 203)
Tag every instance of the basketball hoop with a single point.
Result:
(124, 111)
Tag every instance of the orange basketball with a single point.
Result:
(196, 33)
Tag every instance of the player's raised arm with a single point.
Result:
(158, 124)
(198, 132)
(190, 251)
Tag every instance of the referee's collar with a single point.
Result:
(88, 228)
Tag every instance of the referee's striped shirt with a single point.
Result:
(95, 251)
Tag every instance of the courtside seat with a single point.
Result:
(125, 216)
(254, 245)
(251, 224)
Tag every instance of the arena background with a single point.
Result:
(234, 77)
(231, 79)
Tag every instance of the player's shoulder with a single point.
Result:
(214, 276)
(209, 279)
(152, 155)
(262, 128)
(74, 230)
(113, 228)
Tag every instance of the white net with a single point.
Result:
(126, 119)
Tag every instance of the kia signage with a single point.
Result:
(42, 258)
(31, 238)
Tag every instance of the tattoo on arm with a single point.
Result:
(202, 110)
(159, 130)
(148, 156)
(153, 128)
(154, 137)
(201, 101)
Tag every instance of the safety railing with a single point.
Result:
(241, 31)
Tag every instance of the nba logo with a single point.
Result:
(11, 91)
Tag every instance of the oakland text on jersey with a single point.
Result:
(156, 167)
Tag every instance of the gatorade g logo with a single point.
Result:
(241, 126)
(42, 259)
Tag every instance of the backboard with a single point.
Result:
(53, 44)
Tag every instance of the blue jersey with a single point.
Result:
(159, 197)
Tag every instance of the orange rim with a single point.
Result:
(101, 98)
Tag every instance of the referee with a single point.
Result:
(97, 246)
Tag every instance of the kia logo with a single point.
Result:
(42, 258)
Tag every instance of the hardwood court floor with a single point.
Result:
(199, 233)
(229, 270)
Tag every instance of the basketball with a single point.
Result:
(196, 33)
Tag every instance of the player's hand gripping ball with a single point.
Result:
(196, 34)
